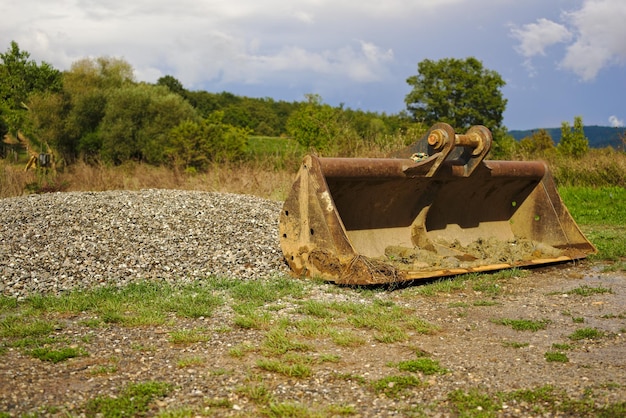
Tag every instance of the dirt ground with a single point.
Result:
(478, 353)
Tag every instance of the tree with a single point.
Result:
(459, 92)
(137, 122)
(573, 143)
(19, 78)
(540, 142)
(314, 125)
(195, 144)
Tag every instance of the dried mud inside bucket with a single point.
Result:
(478, 253)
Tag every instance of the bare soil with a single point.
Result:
(477, 352)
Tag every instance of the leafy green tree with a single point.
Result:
(539, 143)
(460, 92)
(573, 142)
(21, 77)
(137, 122)
(314, 125)
(194, 145)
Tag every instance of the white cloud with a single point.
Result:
(594, 34)
(536, 37)
(600, 41)
(616, 122)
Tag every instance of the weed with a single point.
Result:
(523, 324)
(345, 338)
(298, 369)
(556, 356)
(103, 369)
(189, 362)
(515, 344)
(56, 356)
(473, 403)
(588, 291)
(278, 342)
(340, 410)
(316, 308)
(424, 365)
(134, 400)
(558, 346)
(218, 403)
(586, 334)
(288, 409)
(188, 336)
(578, 319)
(14, 326)
(251, 319)
(392, 386)
(257, 393)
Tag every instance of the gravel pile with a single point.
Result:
(52, 243)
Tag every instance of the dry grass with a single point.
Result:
(269, 178)
(251, 178)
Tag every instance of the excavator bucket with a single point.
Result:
(435, 209)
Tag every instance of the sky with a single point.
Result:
(559, 58)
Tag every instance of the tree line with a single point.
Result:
(96, 111)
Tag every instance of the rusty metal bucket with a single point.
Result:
(436, 209)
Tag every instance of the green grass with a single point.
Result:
(474, 403)
(585, 290)
(556, 356)
(423, 365)
(523, 324)
(586, 334)
(56, 355)
(601, 213)
(393, 386)
(189, 336)
(134, 400)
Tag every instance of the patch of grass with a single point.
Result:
(339, 410)
(56, 356)
(240, 350)
(556, 356)
(103, 370)
(346, 338)
(261, 292)
(392, 386)
(586, 334)
(278, 342)
(515, 344)
(134, 400)
(447, 285)
(248, 317)
(189, 362)
(188, 336)
(578, 320)
(523, 324)
(424, 365)
(297, 369)
(312, 327)
(474, 403)
(218, 403)
(351, 377)
(316, 308)
(289, 410)
(421, 326)
(558, 346)
(585, 290)
(15, 326)
(183, 412)
(257, 393)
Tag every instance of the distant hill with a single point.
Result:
(599, 136)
